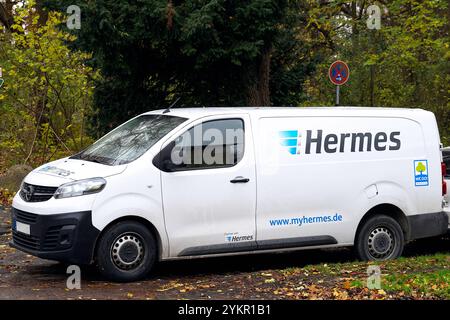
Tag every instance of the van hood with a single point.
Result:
(66, 170)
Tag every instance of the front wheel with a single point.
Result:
(380, 238)
(126, 252)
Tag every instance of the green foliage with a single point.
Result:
(408, 59)
(210, 53)
(47, 91)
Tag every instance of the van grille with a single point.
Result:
(23, 216)
(35, 243)
(51, 238)
(48, 233)
(33, 193)
(26, 241)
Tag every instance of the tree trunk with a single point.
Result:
(259, 90)
(43, 14)
(372, 85)
(253, 95)
(6, 14)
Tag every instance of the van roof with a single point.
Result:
(281, 111)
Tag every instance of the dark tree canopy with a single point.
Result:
(208, 52)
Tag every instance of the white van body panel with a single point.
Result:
(141, 198)
(72, 170)
(53, 206)
(323, 184)
(57, 173)
(202, 207)
(193, 211)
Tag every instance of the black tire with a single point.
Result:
(126, 252)
(380, 238)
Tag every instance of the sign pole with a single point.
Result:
(337, 95)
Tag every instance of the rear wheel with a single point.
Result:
(380, 238)
(126, 252)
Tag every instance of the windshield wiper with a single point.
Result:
(90, 158)
(93, 160)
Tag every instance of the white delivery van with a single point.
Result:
(202, 182)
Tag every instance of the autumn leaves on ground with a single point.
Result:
(423, 273)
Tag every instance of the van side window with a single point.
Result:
(209, 145)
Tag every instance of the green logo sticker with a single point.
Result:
(421, 173)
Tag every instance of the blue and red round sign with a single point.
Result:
(339, 73)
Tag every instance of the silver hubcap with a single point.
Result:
(127, 251)
(381, 243)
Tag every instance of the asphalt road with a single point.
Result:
(241, 277)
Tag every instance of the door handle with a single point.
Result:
(240, 180)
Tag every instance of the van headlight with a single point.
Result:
(80, 188)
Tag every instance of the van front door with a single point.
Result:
(209, 187)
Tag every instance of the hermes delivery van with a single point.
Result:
(202, 182)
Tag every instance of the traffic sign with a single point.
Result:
(339, 73)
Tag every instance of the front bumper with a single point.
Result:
(67, 237)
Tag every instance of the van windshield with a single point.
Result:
(129, 141)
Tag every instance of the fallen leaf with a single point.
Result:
(347, 285)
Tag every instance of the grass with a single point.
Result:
(433, 283)
(418, 277)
